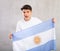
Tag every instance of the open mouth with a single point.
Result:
(26, 16)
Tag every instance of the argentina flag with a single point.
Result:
(40, 37)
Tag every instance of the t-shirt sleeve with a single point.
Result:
(18, 27)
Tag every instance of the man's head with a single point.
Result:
(27, 11)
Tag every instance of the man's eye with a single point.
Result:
(23, 12)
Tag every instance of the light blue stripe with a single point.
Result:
(46, 47)
(44, 26)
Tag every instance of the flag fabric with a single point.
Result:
(40, 37)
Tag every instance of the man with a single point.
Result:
(28, 20)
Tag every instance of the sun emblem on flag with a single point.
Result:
(37, 39)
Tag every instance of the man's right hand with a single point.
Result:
(10, 36)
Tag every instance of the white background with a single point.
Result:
(10, 13)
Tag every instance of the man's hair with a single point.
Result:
(27, 7)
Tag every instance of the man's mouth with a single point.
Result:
(26, 16)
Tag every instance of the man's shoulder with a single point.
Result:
(36, 19)
(20, 21)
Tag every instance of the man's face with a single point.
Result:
(27, 13)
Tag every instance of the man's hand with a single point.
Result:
(10, 36)
(54, 20)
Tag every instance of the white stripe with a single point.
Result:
(28, 43)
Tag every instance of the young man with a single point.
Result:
(28, 20)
